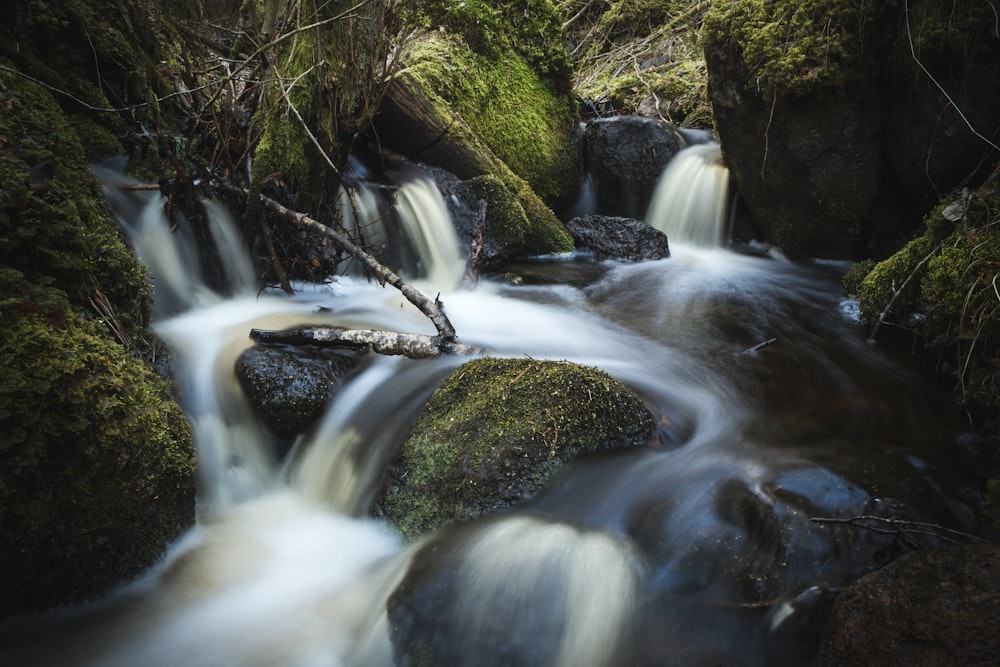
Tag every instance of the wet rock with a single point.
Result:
(619, 238)
(496, 430)
(289, 387)
(625, 156)
(932, 607)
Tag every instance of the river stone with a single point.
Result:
(931, 607)
(619, 238)
(289, 387)
(625, 156)
(496, 430)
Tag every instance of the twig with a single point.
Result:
(961, 115)
(895, 295)
(889, 526)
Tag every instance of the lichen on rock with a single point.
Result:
(496, 430)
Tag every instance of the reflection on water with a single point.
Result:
(701, 549)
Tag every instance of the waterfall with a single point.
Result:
(410, 224)
(677, 552)
(691, 201)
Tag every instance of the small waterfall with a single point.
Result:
(411, 226)
(691, 201)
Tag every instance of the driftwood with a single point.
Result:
(383, 342)
(414, 346)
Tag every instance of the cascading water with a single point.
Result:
(700, 551)
(690, 204)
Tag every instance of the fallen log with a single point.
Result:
(414, 346)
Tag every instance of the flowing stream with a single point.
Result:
(703, 548)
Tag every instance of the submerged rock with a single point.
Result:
(620, 238)
(931, 607)
(496, 430)
(289, 387)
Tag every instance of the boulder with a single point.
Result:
(839, 139)
(931, 607)
(624, 156)
(618, 238)
(496, 430)
(289, 387)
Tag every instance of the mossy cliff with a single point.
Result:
(496, 429)
(842, 99)
(96, 465)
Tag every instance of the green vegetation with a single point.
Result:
(528, 28)
(794, 46)
(943, 286)
(96, 459)
(640, 57)
(496, 429)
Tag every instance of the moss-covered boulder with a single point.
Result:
(835, 98)
(513, 227)
(96, 457)
(496, 429)
(96, 463)
(942, 288)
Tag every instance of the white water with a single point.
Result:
(679, 208)
(648, 557)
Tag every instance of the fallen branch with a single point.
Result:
(432, 309)
(887, 526)
(414, 346)
(895, 295)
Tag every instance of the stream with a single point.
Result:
(722, 542)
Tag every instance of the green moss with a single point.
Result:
(527, 124)
(96, 457)
(54, 223)
(529, 28)
(794, 46)
(497, 428)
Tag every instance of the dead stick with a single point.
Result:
(414, 346)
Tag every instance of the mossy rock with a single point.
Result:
(53, 219)
(510, 232)
(98, 468)
(496, 430)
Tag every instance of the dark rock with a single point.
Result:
(932, 607)
(289, 387)
(625, 157)
(841, 161)
(620, 238)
